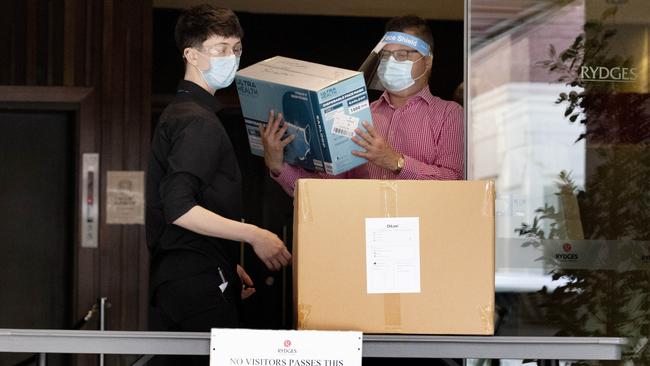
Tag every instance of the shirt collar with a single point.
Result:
(200, 95)
(424, 94)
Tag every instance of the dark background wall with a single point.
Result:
(332, 40)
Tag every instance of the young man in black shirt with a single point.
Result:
(194, 190)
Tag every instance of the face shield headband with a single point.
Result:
(405, 39)
(369, 66)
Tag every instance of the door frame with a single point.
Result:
(82, 103)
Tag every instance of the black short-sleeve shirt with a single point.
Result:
(192, 163)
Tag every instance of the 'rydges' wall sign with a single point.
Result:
(608, 74)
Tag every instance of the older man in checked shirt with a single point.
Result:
(414, 135)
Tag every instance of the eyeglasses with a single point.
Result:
(399, 55)
(221, 50)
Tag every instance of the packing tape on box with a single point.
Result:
(487, 317)
(304, 205)
(392, 302)
(488, 202)
(393, 312)
(486, 312)
(303, 316)
(388, 191)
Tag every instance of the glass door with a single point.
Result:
(559, 118)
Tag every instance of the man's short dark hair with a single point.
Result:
(201, 22)
(414, 24)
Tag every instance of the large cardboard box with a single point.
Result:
(322, 105)
(394, 256)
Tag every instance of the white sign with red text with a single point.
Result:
(248, 347)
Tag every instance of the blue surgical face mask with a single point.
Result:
(396, 75)
(299, 148)
(221, 72)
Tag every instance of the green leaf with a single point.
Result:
(568, 111)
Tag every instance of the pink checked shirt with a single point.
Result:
(427, 130)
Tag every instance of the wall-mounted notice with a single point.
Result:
(125, 197)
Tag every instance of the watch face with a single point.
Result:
(400, 163)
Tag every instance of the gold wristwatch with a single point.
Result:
(400, 164)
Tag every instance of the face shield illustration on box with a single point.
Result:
(296, 114)
(387, 73)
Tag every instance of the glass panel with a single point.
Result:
(559, 117)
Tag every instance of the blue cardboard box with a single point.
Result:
(321, 104)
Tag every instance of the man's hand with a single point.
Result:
(377, 150)
(273, 143)
(247, 283)
(270, 249)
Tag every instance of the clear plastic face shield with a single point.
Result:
(372, 63)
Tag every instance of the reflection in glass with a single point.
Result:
(560, 119)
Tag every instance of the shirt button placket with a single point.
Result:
(391, 134)
(391, 127)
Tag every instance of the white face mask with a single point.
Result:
(396, 75)
(221, 72)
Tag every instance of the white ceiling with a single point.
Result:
(428, 9)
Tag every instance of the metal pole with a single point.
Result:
(42, 359)
(284, 281)
(102, 323)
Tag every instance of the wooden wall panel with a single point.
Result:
(111, 52)
(5, 41)
(104, 46)
(115, 58)
(31, 47)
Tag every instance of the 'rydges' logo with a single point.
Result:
(612, 74)
(567, 254)
(246, 87)
(286, 347)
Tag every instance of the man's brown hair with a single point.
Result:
(201, 22)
